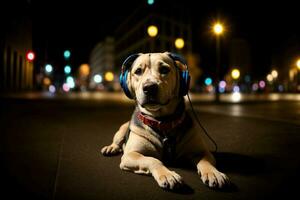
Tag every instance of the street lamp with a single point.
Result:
(218, 28)
(218, 31)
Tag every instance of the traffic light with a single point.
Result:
(30, 56)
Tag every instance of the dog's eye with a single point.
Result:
(138, 71)
(164, 70)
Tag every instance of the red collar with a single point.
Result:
(163, 126)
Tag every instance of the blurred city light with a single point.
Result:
(84, 70)
(179, 43)
(247, 78)
(70, 82)
(221, 90)
(48, 68)
(270, 78)
(46, 81)
(222, 84)
(152, 31)
(98, 78)
(298, 64)
(235, 73)
(65, 87)
(109, 76)
(30, 56)
(67, 54)
(262, 84)
(52, 89)
(150, 2)
(236, 88)
(274, 73)
(218, 29)
(236, 97)
(67, 69)
(255, 87)
(208, 81)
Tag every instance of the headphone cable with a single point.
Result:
(201, 126)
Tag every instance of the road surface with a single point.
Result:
(50, 149)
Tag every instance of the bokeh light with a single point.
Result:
(109, 76)
(67, 69)
(179, 43)
(98, 78)
(235, 73)
(208, 81)
(48, 68)
(152, 31)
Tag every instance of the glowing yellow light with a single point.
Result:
(270, 77)
(274, 73)
(152, 31)
(298, 64)
(179, 43)
(84, 70)
(235, 73)
(218, 28)
(109, 76)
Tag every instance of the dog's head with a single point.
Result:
(157, 81)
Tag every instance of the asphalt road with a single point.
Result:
(50, 149)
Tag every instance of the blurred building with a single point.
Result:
(239, 56)
(16, 73)
(284, 61)
(102, 59)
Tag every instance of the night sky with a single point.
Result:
(79, 25)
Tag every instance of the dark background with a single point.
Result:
(269, 27)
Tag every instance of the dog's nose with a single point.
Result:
(150, 89)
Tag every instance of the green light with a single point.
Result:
(67, 54)
(67, 69)
(150, 2)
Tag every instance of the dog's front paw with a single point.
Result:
(214, 179)
(168, 179)
(111, 150)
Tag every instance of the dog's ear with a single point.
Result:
(184, 76)
(124, 73)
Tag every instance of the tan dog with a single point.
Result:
(161, 130)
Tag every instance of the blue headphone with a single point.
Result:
(184, 74)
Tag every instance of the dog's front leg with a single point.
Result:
(140, 164)
(209, 174)
(116, 146)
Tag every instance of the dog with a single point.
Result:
(161, 130)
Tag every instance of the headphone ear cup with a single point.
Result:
(184, 83)
(123, 82)
(124, 73)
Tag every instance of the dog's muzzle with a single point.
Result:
(150, 89)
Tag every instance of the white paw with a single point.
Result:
(110, 150)
(169, 180)
(214, 179)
